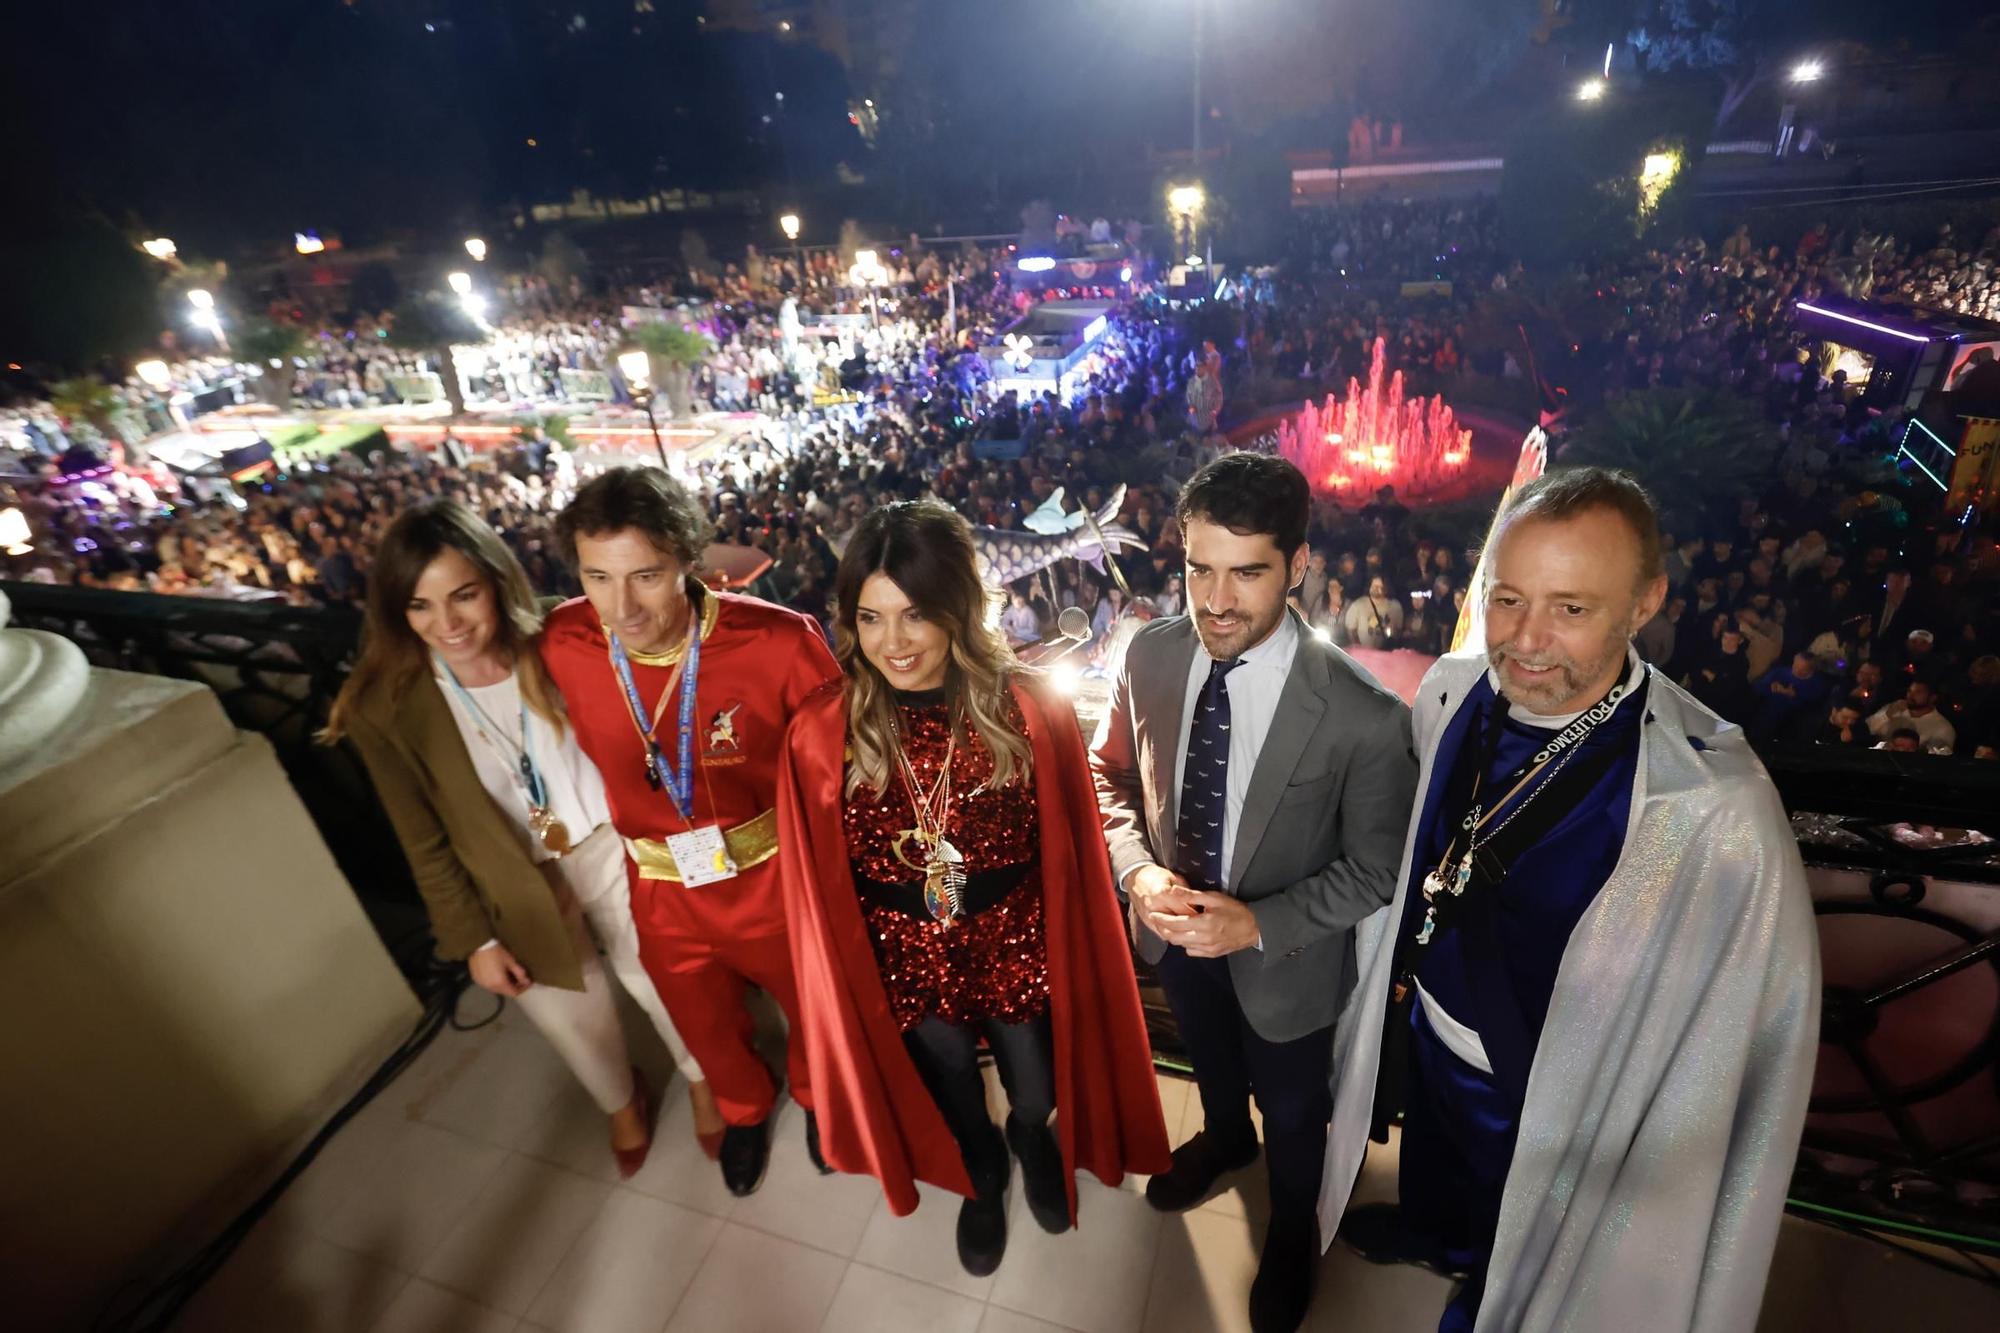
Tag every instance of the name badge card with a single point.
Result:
(701, 856)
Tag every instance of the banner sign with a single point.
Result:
(422, 387)
(585, 386)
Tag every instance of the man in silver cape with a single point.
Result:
(1667, 1091)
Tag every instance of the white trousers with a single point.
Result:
(595, 875)
(583, 1025)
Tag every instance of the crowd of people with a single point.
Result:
(871, 393)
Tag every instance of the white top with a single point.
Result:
(575, 788)
(1254, 689)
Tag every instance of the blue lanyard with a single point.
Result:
(679, 786)
(531, 776)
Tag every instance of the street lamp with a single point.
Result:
(789, 224)
(1590, 90)
(14, 535)
(205, 316)
(160, 248)
(1807, 71)
(460, 283)
(636, 366)
(476, 248)
(867, 273)
(1186, 203)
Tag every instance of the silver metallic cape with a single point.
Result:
(1669, 1088)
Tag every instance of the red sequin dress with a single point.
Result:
(991, 964)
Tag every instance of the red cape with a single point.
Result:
(875, 1115)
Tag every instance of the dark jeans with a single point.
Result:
(1292, 1080)
(947, 1059)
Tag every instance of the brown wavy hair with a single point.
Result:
(391, 653)
(926, 550)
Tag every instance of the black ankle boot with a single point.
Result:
(1041, 1172)
(982, 1219)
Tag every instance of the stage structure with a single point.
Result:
(1049, 349)
(1376, 436)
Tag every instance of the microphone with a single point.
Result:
(1072, 626)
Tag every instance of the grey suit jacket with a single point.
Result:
(1321, 834)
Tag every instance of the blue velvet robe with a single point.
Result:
(1493, 969)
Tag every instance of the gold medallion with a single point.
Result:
(552, 831)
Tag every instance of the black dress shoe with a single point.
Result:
(1381, 1234)
(746, 1151)
(1284, 1286)
(982, 1219)
(1198, 1164)
(1041, 1172)
(812, 1144)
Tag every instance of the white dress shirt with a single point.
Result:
(1254, 689)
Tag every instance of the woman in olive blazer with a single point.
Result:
(500, 814)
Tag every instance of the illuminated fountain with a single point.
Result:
(1375, 437)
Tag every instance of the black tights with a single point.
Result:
(947, 1057)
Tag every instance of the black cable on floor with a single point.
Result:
(440, 986)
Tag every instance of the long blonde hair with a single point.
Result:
(926, 550)
(391, 652)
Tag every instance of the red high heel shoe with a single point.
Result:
(631, 1159)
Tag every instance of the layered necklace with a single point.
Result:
(942, 865)
(1453, 873)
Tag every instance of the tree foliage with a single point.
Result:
(84, 398)
(1570, 189)
(1698, 452)
(261, 341)
(1747, 43)
(73, 291)
(673, 344)
(429, 322)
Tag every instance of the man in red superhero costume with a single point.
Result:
(692, 780)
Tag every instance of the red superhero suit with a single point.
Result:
(702, 944)
(875, 1115)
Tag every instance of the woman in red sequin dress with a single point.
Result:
(947, 883)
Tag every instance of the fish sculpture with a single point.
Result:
(1006, 555)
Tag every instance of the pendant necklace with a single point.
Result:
(542, 821)
(1453, 875)
(943, 866)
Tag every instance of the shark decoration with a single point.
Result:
(1006, 555)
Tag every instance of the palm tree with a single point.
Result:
(674, 352)
(85, 399)
(1696, 451)
(269, 345)
(431, 324)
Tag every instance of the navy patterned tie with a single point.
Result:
(1205, 782)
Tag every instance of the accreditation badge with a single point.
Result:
(701, 856)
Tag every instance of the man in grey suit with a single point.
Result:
(1256, 785)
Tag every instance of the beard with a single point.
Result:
(1248, 631)
(1560, 689)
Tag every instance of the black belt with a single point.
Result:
(984, 889)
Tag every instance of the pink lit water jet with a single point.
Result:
(1375, 437)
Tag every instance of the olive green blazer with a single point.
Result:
(477, 880)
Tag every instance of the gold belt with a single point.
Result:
(750, 844)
